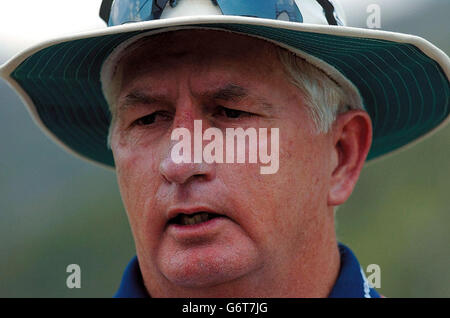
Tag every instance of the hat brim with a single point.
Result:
(402, 79)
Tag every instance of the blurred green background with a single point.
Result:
(57, 210)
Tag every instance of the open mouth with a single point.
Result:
(193, 219)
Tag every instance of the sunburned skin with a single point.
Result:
(273, 234)
(231, 148)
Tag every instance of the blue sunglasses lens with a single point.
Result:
(126, 11)
(261, 9)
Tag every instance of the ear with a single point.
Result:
(352, 137)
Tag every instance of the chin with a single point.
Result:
(204, 270)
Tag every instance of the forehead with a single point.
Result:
(202, 49)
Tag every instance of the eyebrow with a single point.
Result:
(230, 92)
(233, 92)
(136, 97)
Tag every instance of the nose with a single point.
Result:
(174, 171)
(183, 173)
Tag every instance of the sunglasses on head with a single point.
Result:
(117, 12)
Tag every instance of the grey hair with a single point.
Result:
(323, 96)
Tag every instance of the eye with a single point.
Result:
(152, 118)
(146, 120)
(232, 113)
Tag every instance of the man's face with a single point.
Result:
(268, 220)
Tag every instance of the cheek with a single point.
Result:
(298, 191)
(137, 175)
(285, 199)
(304, 166)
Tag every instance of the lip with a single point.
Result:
(191, 210)
(197, 232)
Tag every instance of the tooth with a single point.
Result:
(204, 217)
(190, 220)
(194, 219)
(197, 218)
(185, 220)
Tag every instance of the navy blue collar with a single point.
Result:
(351, 282)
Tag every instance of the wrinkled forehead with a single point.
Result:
(199, 45)
(200, 48)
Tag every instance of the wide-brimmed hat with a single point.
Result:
(402, 80)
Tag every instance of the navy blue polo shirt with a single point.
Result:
(351, 282)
